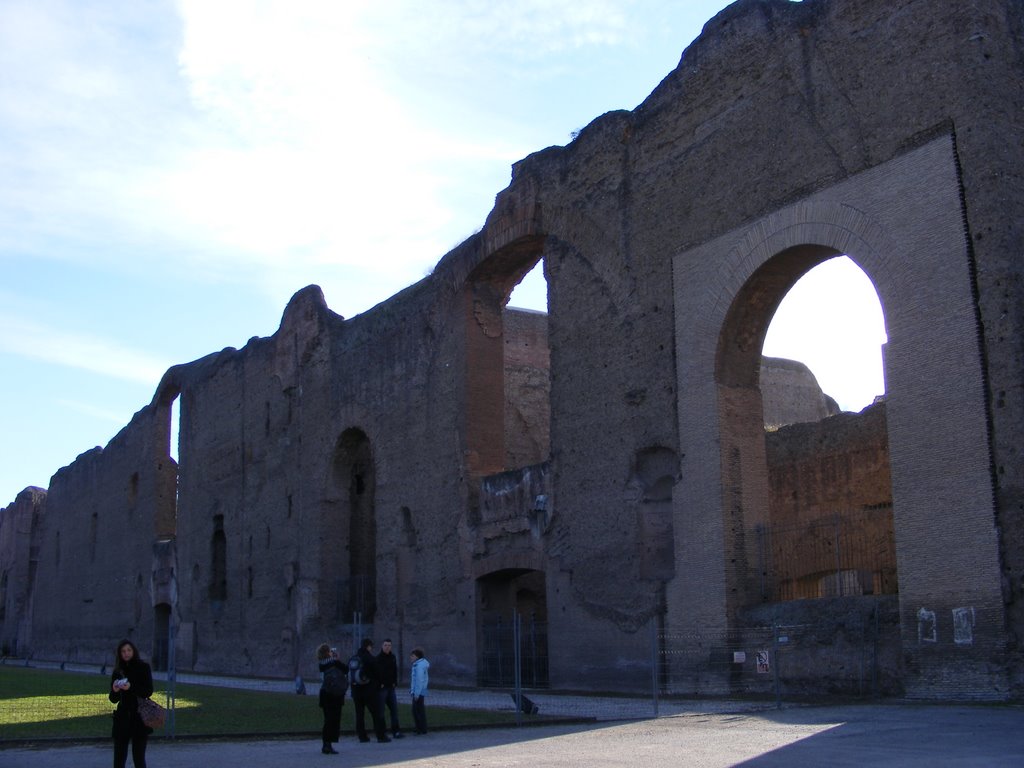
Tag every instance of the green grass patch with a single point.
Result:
(48, 704)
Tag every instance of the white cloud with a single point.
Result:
(29, 339)
(118, 417)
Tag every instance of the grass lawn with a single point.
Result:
(47, 704)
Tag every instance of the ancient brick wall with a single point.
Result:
(19, 524)
(830, 530)
(527, 388)
(345, 452)
(839, 463)
(791, 395)
(96, 548)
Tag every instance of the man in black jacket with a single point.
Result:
(366, 695)
(387, 668)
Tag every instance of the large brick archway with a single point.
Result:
(903, 224)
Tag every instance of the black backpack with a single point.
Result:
(334, 683)
(356, 673)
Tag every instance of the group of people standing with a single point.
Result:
(372, 679)
(373, 682)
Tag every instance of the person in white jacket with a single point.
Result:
(418, 689)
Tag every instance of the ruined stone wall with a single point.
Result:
(265, 466)
(840, 463)
(19, 524)
(791, 395)
(527, 388)
(774, 101)
(778, 108)
(831, 528)
(96, 550)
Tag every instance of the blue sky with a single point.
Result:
(172, 172)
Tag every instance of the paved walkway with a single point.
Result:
(899, 735)
(627, 731)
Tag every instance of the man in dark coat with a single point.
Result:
(366, 695)
(387, 668)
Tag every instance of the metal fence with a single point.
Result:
(849, 647)
(851, 650)
(514, 653)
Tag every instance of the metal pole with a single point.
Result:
(775, 665)
(517, 667)
(654, 663)
(172, 677)
(839, 560)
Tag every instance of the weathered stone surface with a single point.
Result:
(791, 395)
(344, 466)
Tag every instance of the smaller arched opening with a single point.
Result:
(167, 439)
(512, 628)
(348, 560)
(507, 380)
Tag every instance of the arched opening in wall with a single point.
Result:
(218, 589)
(527, 367)
(512, 628)
(168, 440)
(806, 482)
(507, 380)
(161, 637)
(348, 559)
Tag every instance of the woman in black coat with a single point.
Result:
(334, 681)
(130, 681)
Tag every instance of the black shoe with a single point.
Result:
(364, 739)
(383, 740)
(329, 750)
(396, 735)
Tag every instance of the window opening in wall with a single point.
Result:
(532, 291)
(348, 560)
(165, 482)
(3, 596)
(133, 489)
(219, 567)
(175, 430)
(527, 372)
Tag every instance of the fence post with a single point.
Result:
(840, 582)
(654, 663)
(517, 667)
(172, 678)
(775, 665)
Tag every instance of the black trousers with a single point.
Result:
(332, 720)
(389, 704)
(367, 697)
(138, 741)
(419, 713)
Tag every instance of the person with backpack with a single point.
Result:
(333, 683)
(364, 680)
